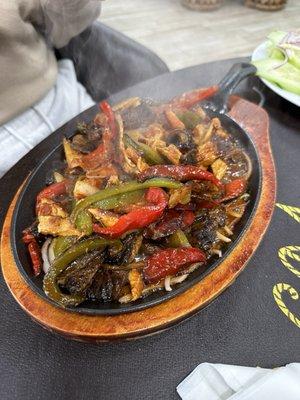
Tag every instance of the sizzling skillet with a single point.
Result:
(24, 215)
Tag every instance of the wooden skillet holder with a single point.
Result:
(126, 326)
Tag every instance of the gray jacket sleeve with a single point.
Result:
(64, 19)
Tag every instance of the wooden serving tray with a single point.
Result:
(126, 326)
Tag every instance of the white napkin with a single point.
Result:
(221, 382)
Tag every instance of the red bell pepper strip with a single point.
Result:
(108, 111)
(180, 173)
(94, 158)
(170, 261)
(34, 251)
(234, 189)
(109, 136)
(53, 190)
(171, 221)
(138, 218)
(186, 207)
(207, 204)
(187, 100)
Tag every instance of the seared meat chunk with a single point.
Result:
(78, 277)
(108, 285)
(130, 247)
(204, 231)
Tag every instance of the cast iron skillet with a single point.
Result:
(24, 210)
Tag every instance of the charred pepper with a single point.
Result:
(170, 261)
(50, 285)
(138, 218)
(180, 172)
(121, 189)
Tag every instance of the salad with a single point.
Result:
(282, 64)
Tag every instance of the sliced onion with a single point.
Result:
(127, 298)
(51, 255)
(250, 166)
(167, 284)
(234, 214)
(178, 279)
(217, 252)
(44, 251)
(58, 177)
(228, 230)
(223, 238)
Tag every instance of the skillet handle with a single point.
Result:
(234, 76)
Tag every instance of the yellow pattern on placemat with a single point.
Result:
(294, 212)
(283, 253)
(277, 291)
(288, 251)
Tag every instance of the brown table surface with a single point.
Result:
(244, 326)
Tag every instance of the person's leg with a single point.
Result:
(106, 61)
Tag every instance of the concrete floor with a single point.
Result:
(182, 37)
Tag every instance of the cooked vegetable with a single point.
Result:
(190, 119)
(84, 222)
(187, 100)
(235, 188)
(109, 113)
(178, 239)
(45, 256)
(170, 261)
(150, 154)
(125, 188)
(53, 190)
(181, 173)
(174, 121)
(149, 193)
(51, 287)
(138, 218)
(120, 200)
(62, 243)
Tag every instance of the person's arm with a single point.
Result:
(65, 19)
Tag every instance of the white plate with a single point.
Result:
(261, 52)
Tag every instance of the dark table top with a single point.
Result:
(243, 326)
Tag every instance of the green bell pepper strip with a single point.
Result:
(123, 188)
(120, 200)
(61, 243)
(84, 222)
(190, 119)
(178, 239)
(50, 285)
(150, 155)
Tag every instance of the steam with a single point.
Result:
(105, 61)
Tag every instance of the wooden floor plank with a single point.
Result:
(182, 37)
